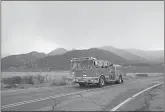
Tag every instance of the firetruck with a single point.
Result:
(89, 70)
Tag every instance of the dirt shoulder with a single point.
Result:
(155, 101)
(152, 100)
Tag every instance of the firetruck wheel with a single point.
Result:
(120, 80)
(82, 85)
(101, 81)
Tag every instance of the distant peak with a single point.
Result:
(34, 52)
(107, 46)
(60, 48)
(58, 51)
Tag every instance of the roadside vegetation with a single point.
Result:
(32, 81)
(141, 75)
(24, 80)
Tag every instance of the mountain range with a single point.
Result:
(137, 55)
(59, 59)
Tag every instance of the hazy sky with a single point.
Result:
(44, 26)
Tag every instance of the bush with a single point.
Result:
(27, 80)
(24, 86)
(12, 81)
(141, 75)
(34, 80)
(30, 80)
(40, 78)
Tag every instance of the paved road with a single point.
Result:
(94, 99)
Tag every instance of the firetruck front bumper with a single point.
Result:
(87, 80)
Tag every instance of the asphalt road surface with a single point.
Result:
(72, 97)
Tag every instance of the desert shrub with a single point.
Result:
(12, 81)
(24, 86)
(40, 78)
(27, 80)
(141, 75)
(30, 80)
(35, 80)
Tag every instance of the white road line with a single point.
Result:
(41, 99)
(130, 98)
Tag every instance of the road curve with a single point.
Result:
(72, 97)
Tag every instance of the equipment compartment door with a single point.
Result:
(112, 73)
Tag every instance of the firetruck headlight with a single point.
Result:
(84, 75)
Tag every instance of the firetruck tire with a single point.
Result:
(120, 80)
(101, 81)
(81, 85)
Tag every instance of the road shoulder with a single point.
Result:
(152, 100)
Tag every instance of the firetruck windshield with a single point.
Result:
(86, 64)
(76, 65)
